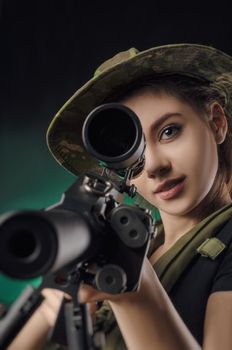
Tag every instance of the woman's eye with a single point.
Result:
(170, 131)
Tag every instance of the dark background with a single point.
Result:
(50, 48)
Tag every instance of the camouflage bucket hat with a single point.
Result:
(64, 133)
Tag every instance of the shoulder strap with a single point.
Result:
(203, 239)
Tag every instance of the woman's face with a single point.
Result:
(182, 145)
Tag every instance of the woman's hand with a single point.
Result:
(88, 294)
(34, 334)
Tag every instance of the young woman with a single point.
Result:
(182, 96)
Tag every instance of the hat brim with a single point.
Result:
(64, 133)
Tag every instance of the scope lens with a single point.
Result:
(28, 245)
(112, 133)
(22, 248)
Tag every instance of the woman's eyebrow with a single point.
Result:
(162, 119)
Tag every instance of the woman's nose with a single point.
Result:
(156, 164)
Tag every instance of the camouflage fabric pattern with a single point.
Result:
(64, 133)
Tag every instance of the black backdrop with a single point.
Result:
(50, 48)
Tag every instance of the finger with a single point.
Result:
(55, 293)
(50, 306)
(88, 294)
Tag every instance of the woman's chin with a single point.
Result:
(181, 207)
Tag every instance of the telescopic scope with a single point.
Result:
(112, 134)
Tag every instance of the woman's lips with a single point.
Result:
(172, 192)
